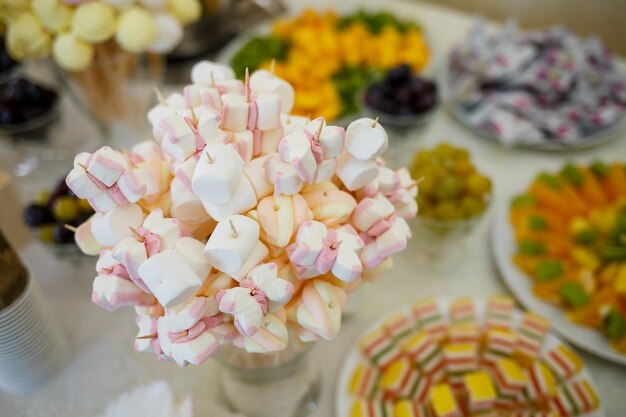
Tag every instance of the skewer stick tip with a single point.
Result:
(272, 66)
(70, 228)
(233, 229)
(375, 122)
(136, 234)
(159, 95)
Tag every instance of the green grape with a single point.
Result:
(462, 168)
(478, 185)
(471, 206)
(447, 210)
(449, 188)
(42, 198)
(65, 209)
(84, 206)
(46, 233)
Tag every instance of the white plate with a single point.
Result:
(343, 400)
(503, 246)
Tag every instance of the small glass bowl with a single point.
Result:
(400, 121)
(440, 243)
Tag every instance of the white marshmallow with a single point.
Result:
(325, 170)
(111, 292)
(235, 112)
(185, 170)
(110, 228)
(180, 139)
(186, 314)
(79, 181)
(244, 141)
(204, 72)
(263, 81)
(229, 87)
(186, 207)
(369, 211)
(218, 174)
(394, 239)
(209, 124)
(147, 327)
(295, 149)
(259, 253)
(388, 180)
(170, 278)
(194, 351)
(137, 183)
(85, 240)
(227, 249)
(192, 251)
(147, 150)
(102, 202)
(131, 253)
(270, 140)
(168, 230)
(347, 266)
(331, 138)
(355, 173)
(282, 175)
(268, 112)
(255, 171)
(246, 310)
(157, 113)
(293, 123)
(366, 139)
(308, 244)
(107, 165)
(243, 199)
(176, 101)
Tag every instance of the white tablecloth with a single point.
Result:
(105, 363)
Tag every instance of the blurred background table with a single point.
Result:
(105, 364)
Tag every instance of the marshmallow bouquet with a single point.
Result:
(72, 31)
(240, 223)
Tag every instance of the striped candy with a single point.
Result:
(364, 381)
(563, 362)
(498, 313)
(430, 319)
(462, 310)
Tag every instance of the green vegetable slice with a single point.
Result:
(572, 174)
(549, 180)
(548, 270)
(532, 247)
(574, 294)
(537, 223)
(523, 200)
(256, 51)
(614, 325)
(599, 169)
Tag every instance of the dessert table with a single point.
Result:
(105, 364)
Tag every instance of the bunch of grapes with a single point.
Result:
(451, 187)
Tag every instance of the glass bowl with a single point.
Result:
(440, 243)
(397, 121)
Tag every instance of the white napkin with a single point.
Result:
(155, 400)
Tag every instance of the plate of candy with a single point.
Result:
(560, 247)
(54, 215)
(330, 87)
(464, 357)
(546, 90)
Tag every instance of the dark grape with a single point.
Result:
(399, 75)
(61, 234)
(36, 215)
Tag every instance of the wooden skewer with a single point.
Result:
(70, 228)
(272, 66)
(143, 206)
(212, 79)
(375, 122)
(136, 233)
(146, 336)
(316, 137)
(247, 85)
(83, 166)
(210, 158)
(194, 118)
(233, 229)
(160, 96)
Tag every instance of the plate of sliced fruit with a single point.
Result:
(561, 249)
(463, 357)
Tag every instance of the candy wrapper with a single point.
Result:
(536, 88)
(239, 222)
